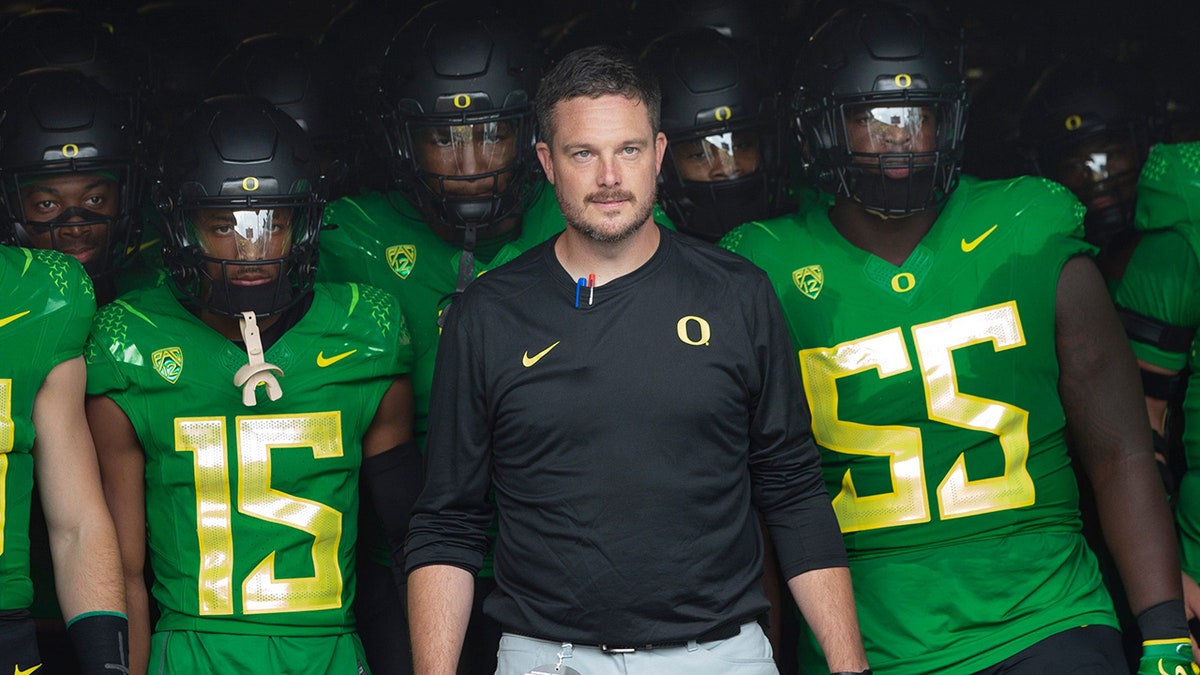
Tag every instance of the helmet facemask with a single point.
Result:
(1102, 172)
(894, 155)
(258, 256)
(716, 179)
(465, 171)
(82, 209)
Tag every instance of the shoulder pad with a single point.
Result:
(1168, 193)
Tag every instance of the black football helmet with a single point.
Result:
(457, 88)
(884, 72)
(1089, 125)
(68, 38)
(723, 163)
(285, 70)
(240, 199)
(56, 124)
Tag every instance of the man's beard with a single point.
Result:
(575, 218)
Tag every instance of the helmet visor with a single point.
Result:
(895, 140)
(1099, 170)
(466, 150)
(241, 235)
(716, 157)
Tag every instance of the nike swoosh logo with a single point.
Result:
(18, 671)
(968, 246)
(323, 362)
(9, 319)
(528, 360)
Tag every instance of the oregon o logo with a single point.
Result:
(723, 113)
(903, 282)
(682, 329)
(1073, 122)
(903, 80)
(462, 101)
(249, 183)
(70, 150)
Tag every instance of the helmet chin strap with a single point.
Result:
(257, 371)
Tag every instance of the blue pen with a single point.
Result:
(578, 285)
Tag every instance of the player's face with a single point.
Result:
(718, 157)
(604, 165)
(1094, 170)
(467, 150)
(70, 213)
(244, 237)
(891, 130)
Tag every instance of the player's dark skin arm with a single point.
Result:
(393, 421)
(1102, 397)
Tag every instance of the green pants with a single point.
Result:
(192, 652)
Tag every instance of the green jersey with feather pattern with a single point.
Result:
(251, 510)
(46, 306)
(933, 387)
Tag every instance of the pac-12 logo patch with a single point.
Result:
(168, 363)
(401, 259)
(810, 280)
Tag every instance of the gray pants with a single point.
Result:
(747, 653)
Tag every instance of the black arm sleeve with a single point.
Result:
(785, 462)
(450, 518)
(393, 479)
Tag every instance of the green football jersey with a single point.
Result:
(382, 240)
(1162, 278)
(1161, 281)
(1169, 197)
(933, 388)
(251, 511)
(48, 306)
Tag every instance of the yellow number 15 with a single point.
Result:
(262, 592)
(886, 353)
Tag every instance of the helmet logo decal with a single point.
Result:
(168, 363)
(723, 113)
(809, 280)
(1073, 122)
(903, 282)
(903, 80)
(70, 150)
(681, 329)
(249, 183)
(401, 259)
(462, 100)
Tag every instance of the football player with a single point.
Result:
(234, 413)
(45, 445)
(466, 197)
(950, 333)
(723, 165)
(70, 173)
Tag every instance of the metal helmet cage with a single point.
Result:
(715, 101)
(1078, 106)
(55, 122)
(454, 66)
(876, 55)
(240, 154)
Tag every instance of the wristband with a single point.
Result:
(101, 641)
(1164, 621)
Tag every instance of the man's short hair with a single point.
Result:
(594, 72)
